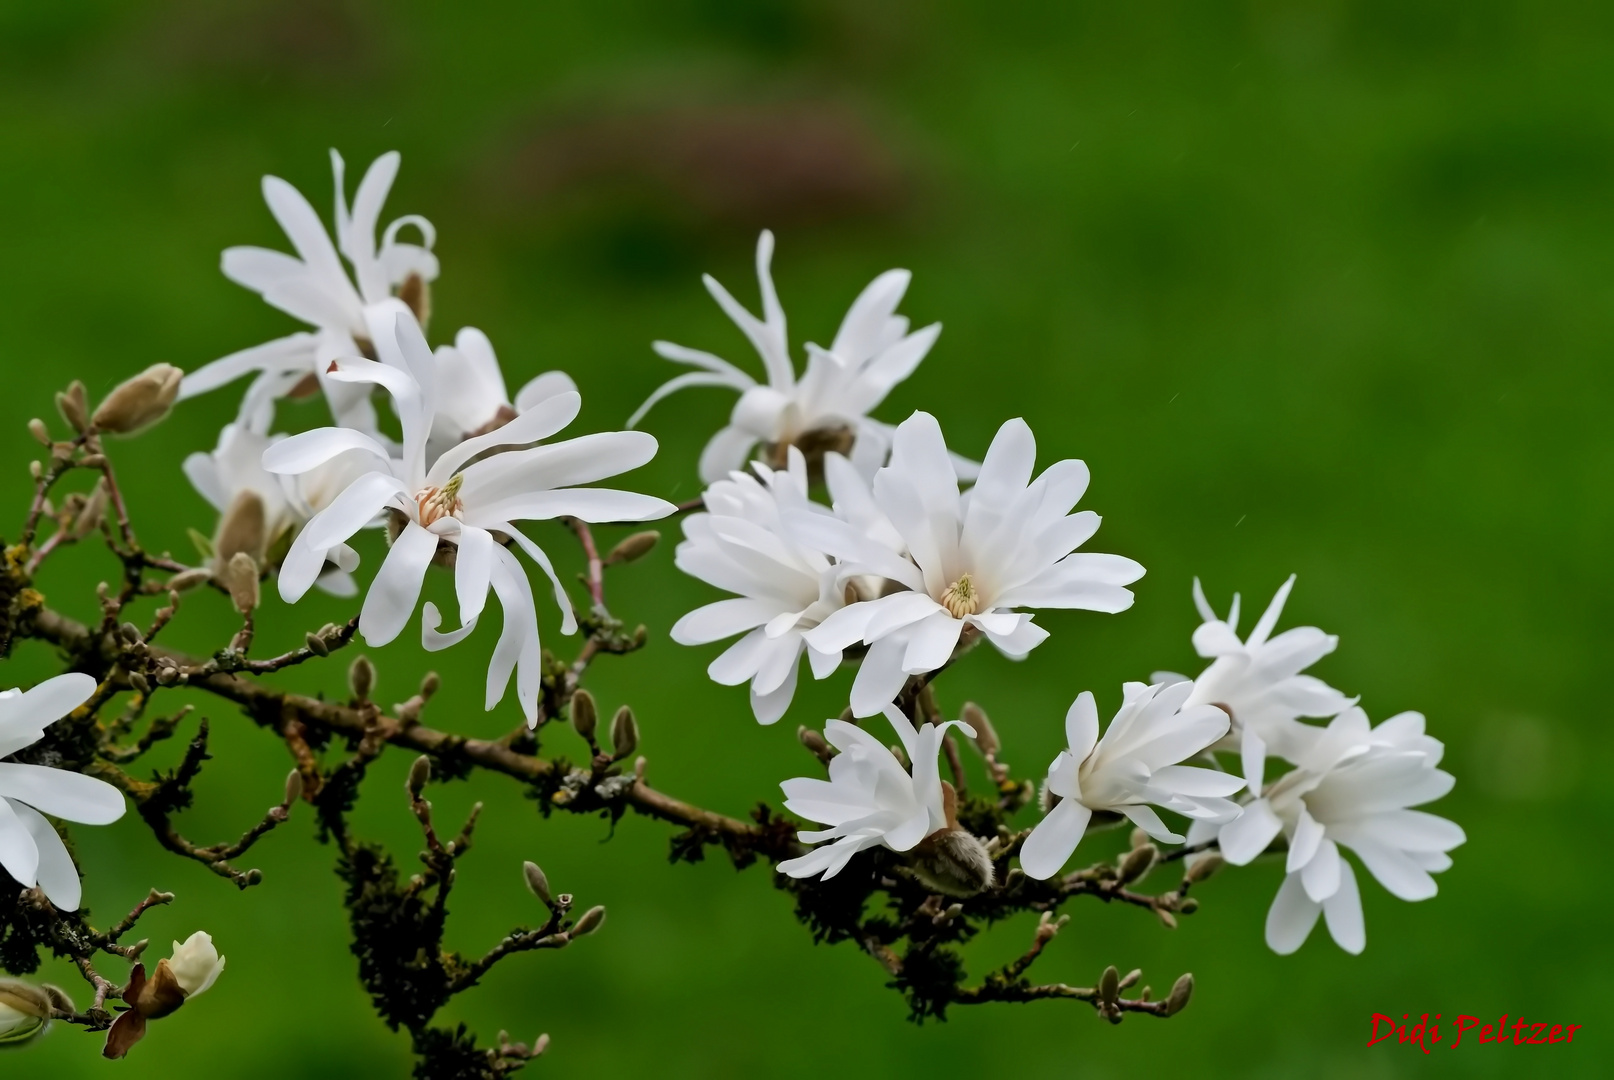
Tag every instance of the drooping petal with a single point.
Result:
(56, 874)
(396, 588)
(1343, 911)
(19, 856)
(1053, 839)
(62, 794)
(1291, 917)
(1248, 835)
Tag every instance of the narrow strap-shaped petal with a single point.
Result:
(392, 595)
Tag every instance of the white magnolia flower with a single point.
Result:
(471, 397)
(25, 1011)
(196, 963)
(315, 287)
(870, 798)
(972, 559)
(30, 849)
(1259, 681)
(468, 494)
(1353, 789)
(872, 352)
(1135, 764)
(741, 544)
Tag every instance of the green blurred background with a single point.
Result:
(1321, 287)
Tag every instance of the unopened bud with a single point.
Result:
(584, 715)
(316, 645)
(430, 684)
(591, 921)
(89, 516)
(59, 999)
(243, 528)
(419, 773)
(186, 580)
(1167, 919)
(624, 733)
(815, 743)
(253, 876)
(953, 862)
(536, 881)
(241, 578)
(1137, 839)
(294, 787)
(1109, 984)
(361, 678)
(1181, 991)
(1138, 862)
(634, 547)
(1188, 906)
(139, 402)
(129, 632)
(1204, 867)
(36, 470)
(139, 682)
(986, 736)
(72, 404)
(37, 428)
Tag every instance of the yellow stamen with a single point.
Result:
(436, 503)
(961, 599)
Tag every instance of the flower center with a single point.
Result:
(961, 598)
(435, 503)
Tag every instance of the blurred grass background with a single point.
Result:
(1322, 287)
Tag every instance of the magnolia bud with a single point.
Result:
(316, 644)
(37, 428)
(417, 296)
(60, 1000)
(73, 406)
(1137, 839)
(361, 678)
(584, 715)
(536, 881)
(1109, 984)
(1137, 863)
(139, 402)
(430, 684)
(242, 528)
(1204, 866)
(1188, 906)
(241, 578)
(139, 681)
(634, 547)
(25, 1009)
(591, 921)
(624, 733)
(419, 773)
(953, 862)
(195, 963)
(129, 632)
(986, 736)
(815, 743)
(1181, 991)
(294, 787)
(186, 580)
(89, 516)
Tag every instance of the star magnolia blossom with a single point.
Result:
(196, 964)
(742, 544)
(1259, 681)
(1135, 764)
(315, 287)
(472, 491)
(872, 352)
(971, 560)
(870, 799)
(471, 397)
(1353, 789)
(30, 849)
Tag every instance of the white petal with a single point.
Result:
(309, 450)
(722, 619)
(1081, 725)
(62, 794)
(880, 677)
(1397, 872)
(931, 643)
(56, 874)
(1291, 917)
(1305, 842)
(1343, 911)
(473, 569)
(19, 856)
(1321, 875)
(1145, 818)
(396, 588)
(1248, 835)
(1053, 839)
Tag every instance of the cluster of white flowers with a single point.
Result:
(906, 568)
(471, 462)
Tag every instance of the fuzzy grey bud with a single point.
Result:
(634, 547)
(241, 578)
(74, 407)
(986, 736)
(624, 733)
(1181, 991)
(243, 528)
(584, 715)
(361, 678)
(137, 403)
(592, 920)
(1138, 862)
(419, 773)
(316, 645)
(59, 999)
(537, 882)
(1204, 867)
(37, 428)
(953, 862)
(294, 787)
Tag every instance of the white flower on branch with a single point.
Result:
(1133, 768)
(829, 404)
(971, 560)
(30, 849)
(471, 395)
(1259, 680)
(196, 963)
(784, 587)
(870, 799)
(1353, 789)
(456, 506)
(315, 287)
